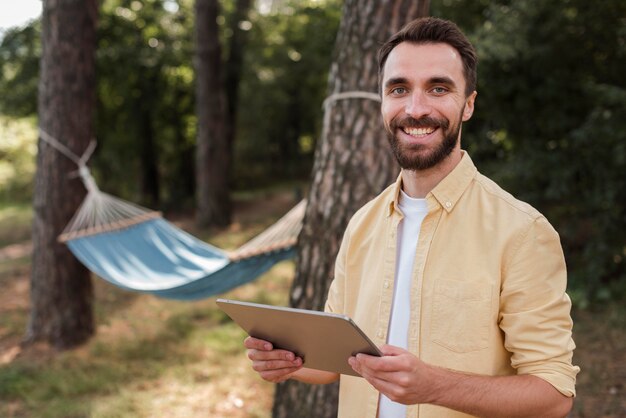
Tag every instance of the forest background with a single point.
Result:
(550, 127)
(550, 121)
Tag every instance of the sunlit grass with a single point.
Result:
(15, 223)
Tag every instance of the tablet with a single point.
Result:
(323, 340)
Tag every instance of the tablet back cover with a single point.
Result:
(325, 341)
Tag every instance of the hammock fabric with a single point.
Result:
(145, 253)
(136, 249)
(156, 257)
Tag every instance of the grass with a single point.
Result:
(148, 354)
(15, 223)
(158, 358)
(150, 357)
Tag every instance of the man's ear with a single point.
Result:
(468, 111)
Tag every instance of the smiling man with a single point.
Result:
(460, 284)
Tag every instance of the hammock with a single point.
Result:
(136, 249)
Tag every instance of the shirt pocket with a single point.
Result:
(460, 316)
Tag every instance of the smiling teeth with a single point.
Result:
(419, 131)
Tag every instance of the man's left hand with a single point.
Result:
(399, 375)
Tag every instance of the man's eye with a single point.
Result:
(398, 90)
(439, 90)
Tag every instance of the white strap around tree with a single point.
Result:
(330, 100)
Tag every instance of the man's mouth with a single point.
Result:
(418, 132)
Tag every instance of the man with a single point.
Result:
(461, 285)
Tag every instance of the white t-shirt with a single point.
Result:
(414, 211)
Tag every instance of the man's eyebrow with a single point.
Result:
(395, 81)
(442, 80)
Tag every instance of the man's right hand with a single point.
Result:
(272, 365)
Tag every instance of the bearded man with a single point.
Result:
(460, 284)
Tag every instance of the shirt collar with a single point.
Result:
(449, 190)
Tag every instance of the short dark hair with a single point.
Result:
(429, 30)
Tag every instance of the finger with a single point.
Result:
(356, 366)
(257, 344)
(378, 364)
(401, 360)
(271, 355)
(392, 350)
(275, 364)
(276, 367)
(279, 375)
(361, 368)
(367, 372)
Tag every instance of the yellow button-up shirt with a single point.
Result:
(488, 293)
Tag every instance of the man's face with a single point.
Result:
(424, 103)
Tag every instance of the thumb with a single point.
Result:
(391, 350)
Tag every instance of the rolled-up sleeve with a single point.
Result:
(535, 310)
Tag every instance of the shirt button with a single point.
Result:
(386, 284)
(448, 205)
(380, 334)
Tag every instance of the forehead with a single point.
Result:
(424, 61)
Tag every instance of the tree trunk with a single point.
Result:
(213, 159)
(353, 164)
(149, 177)
(234, 64)
(217, 103)
(61, 289)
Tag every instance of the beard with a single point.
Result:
(417, 157)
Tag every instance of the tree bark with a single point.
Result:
(353, 164)
(149, 177)
(61, 290)
(213, 159)
(217, 91)
(234, 64)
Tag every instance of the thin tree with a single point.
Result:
(217, 85)
(61, 289)
(352, 165)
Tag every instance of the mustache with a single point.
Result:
(426, 121)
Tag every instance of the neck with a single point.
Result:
(418, 183)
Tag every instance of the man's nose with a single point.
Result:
(418, 105)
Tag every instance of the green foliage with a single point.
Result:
(282, 91)
(550, 124)
(20, 49)
(146, 123)
(145, 98)
(17, 158)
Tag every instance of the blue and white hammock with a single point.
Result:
(136, 249)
